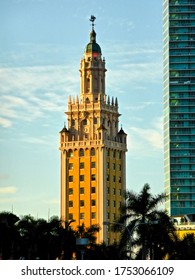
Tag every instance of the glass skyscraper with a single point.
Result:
(179, 106)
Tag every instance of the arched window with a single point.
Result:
(70, 153)
(81, 153)
(84, 122)
(92, 152)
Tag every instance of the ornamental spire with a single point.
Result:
(92, 19)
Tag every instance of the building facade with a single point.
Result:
(93, 149)
(179, 106)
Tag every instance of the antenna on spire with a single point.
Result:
(92, 19)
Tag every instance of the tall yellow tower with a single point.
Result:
(93, 149)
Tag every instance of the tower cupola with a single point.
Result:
(92, 47)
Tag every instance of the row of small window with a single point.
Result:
(182, 109)
(179, 145)
(182, 124)
(182, 9)
(184, 160)
(81, 165)
(182, 16)
(182, 174)
(82, 216)
(114, 153)
(183, 204)
(182, 65)
(82, 203)
(186, 52)
(113, 166)
(114, 191)
(178, 196)
(84, 122)
(109, 152)
(183, 182)
(182, 2)
(113, 178)
(182, 131)
(113, 216)
(182, 88)
(81, 152)
(82, 190)
(182, 189)
(114, 203)
(182, 73)
(81, 178)
(182, 23)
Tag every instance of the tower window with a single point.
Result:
(113, 166)
(92, 189)
(70, 153)
(82, 190)
(70, 166)
(70, 178)
(93, 202)
(81, 153)
(82, 178)
(82, 216)
(93, 177)
(71, 191)
(108, 164)
(119, 167)
(108, 202)
(95, 120)
(70, 203)
(82, 165)
(70, 216)
(114, 191)
(93, 215)
(108, 190)
(107, 177)
(114, 203)
(93, 164)
(92, 152)
(85, 122)
(119, 179)
(73, 122)
(113, 179)
(82, 203)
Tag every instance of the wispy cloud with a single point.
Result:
(27, 93)
(8, 190)
(147, 140)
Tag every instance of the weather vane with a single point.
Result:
(92, 19)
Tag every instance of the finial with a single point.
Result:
(92, 19)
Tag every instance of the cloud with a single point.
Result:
(5, 123)
(28, 93)
(146, 140)
(8, 190)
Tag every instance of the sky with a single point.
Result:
(42, 43)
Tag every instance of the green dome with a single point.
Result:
(93, 47)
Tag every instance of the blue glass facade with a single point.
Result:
(179, 105)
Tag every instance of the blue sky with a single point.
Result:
(42, 42)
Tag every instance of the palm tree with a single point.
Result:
(9, 237)
(138, 214)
